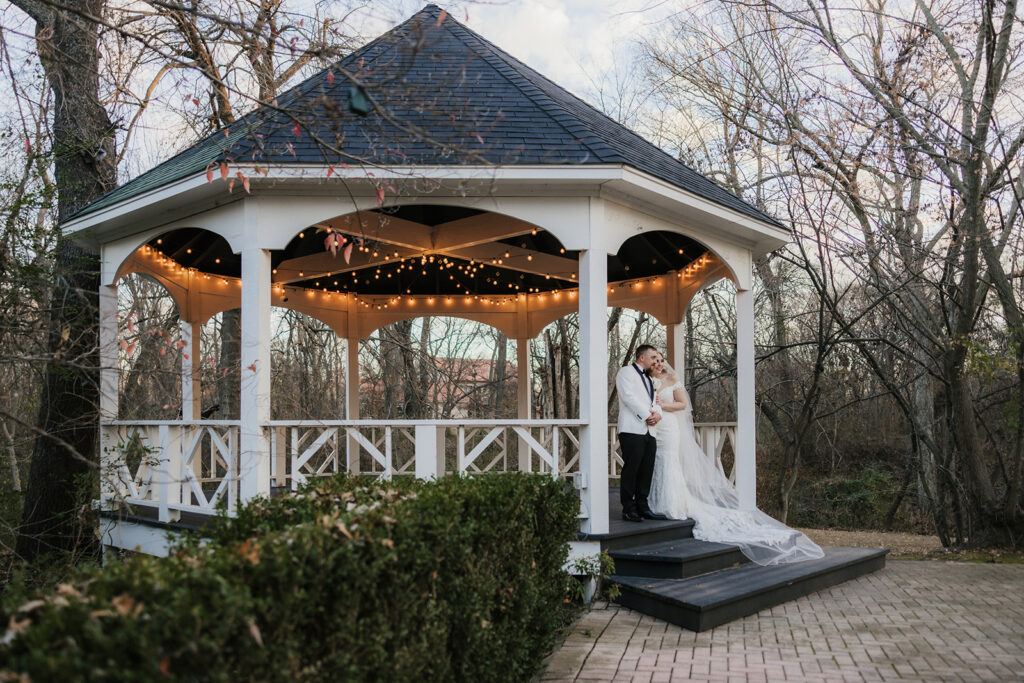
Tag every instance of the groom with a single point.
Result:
(638, 412)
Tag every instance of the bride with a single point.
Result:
(687, 483)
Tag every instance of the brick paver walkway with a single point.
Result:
(919, 621)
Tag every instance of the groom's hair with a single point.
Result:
(644, 348)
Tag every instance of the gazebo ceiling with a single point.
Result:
(388, 262)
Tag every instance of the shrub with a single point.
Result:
(859, 501)
(458, 579)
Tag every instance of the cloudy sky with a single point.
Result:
(569, 41)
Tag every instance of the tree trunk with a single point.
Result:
(65, 450)
(230, 360)
(552, 372)
(566, 369)
(427, 371)
(498, 369)
(924, 409)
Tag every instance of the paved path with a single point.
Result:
(918, 621)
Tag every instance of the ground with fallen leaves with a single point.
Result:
(910, 546)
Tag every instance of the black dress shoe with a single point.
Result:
(647, 514)
(632, 517)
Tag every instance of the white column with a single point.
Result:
(593, 311)
(675, 340)
(352, 397)
(746, 424)
(108, 390)
(108, 353)
(523, 390)
(254, 403)
(191, 397)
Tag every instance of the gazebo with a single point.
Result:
(428, 173)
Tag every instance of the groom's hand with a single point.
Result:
(654, 419)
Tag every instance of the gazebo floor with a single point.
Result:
(663, 571)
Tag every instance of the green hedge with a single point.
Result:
(858, 500)
(459, 579)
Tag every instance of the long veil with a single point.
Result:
(715, 507)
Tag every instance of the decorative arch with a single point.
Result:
(625, 223)
(206, 286)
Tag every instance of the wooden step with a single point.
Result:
(703, 602)
(676, 559)
(623, 534)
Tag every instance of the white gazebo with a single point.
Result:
(460, 183)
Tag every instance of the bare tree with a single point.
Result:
(83, 156)
(894, 137)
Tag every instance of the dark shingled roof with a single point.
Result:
(441, 95)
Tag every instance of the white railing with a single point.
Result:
(173, 466)
(304, 449)
(713, 438)
(170, 465)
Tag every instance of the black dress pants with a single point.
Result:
(638, 452)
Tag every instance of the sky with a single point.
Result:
(567, 39)
(572, 42)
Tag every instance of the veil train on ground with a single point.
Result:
(713, 503)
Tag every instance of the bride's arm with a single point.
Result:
(680, 397)
(678, 402)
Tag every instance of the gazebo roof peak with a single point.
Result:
(429, 92)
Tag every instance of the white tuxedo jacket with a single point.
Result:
(635, 403)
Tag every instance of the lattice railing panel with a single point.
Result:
(209, 466)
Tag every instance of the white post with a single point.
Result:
(254, 403)
(108, 390)
(426, 452)
(593, 312)
(675, 336)
(191, 396)
(523, 386)
(352, 398)
(168, 475)
(746, 425)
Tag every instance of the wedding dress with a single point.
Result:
(687, 483)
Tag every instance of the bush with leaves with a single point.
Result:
(458, 579)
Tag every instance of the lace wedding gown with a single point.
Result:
(687, 483)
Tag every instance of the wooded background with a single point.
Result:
(890, 339)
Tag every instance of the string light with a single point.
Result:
(443, 263)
